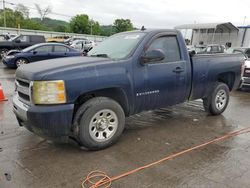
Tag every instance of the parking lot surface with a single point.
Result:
(29, 161)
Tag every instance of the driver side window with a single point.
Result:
(169, 45)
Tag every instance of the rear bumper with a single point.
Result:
(50, 121)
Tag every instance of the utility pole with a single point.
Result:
(91, 25)
(4, 14)
(244, 21)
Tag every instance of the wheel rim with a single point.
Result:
(3, 53)
(103, 125)
(20, 62)
(221, 99)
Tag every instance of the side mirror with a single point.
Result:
(34, 52)
(18, 41)
(153, 55)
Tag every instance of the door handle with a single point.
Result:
(178, 70)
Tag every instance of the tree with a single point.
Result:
(95, 28)
(13, 18)
(61, 28)
(123, 25)
(80, 24)
(107, 30)
(31, 24)
(43, 12)
(23, 9)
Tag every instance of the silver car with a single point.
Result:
(83, 45)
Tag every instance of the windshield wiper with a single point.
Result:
(100, 55)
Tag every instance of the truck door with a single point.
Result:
(166, 81)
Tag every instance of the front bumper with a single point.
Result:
(245, 81)
(9, 63)
(50, 121)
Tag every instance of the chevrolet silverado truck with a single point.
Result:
(88, 98)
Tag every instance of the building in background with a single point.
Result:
(244, 38)
(217, 33)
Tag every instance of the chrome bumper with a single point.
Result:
(19, 108)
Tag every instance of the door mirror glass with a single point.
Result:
(153, 55)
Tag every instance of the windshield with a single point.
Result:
(30, 48)
(118, 46)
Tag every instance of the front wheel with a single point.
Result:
(21, 61)
(100, 121)
(216, 103)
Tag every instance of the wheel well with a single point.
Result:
(23, 58)
(227, 78)
(116, 94)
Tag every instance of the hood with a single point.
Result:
(13, 52)
(57, 68)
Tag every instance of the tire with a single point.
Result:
(21, 61)
(3, 52)
(240, 85)
(100, 121)
(217, 101)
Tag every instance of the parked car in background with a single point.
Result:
(38, 52)
(59, 39)
(244, 50)
(245, 80)
(83, 45)
(70, 40)
(4, 37)
(20, 42)
(196, 48)
(213, 49)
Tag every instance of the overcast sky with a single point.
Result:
(151, 13)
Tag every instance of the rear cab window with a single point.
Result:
(37, 38)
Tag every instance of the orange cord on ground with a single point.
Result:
(95, 175)
(102, 180)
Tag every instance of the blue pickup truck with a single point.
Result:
(88, 98)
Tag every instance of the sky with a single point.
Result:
(150, 13)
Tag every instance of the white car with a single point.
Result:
(83, 45)
(245, 81)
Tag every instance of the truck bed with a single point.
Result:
(205, 67)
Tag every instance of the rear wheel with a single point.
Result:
(218, 100)
(100, 121)
(21, 61)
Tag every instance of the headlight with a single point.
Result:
(49, 92)
(9, 56)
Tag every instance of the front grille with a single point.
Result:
(247, 72)
(23, 90)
